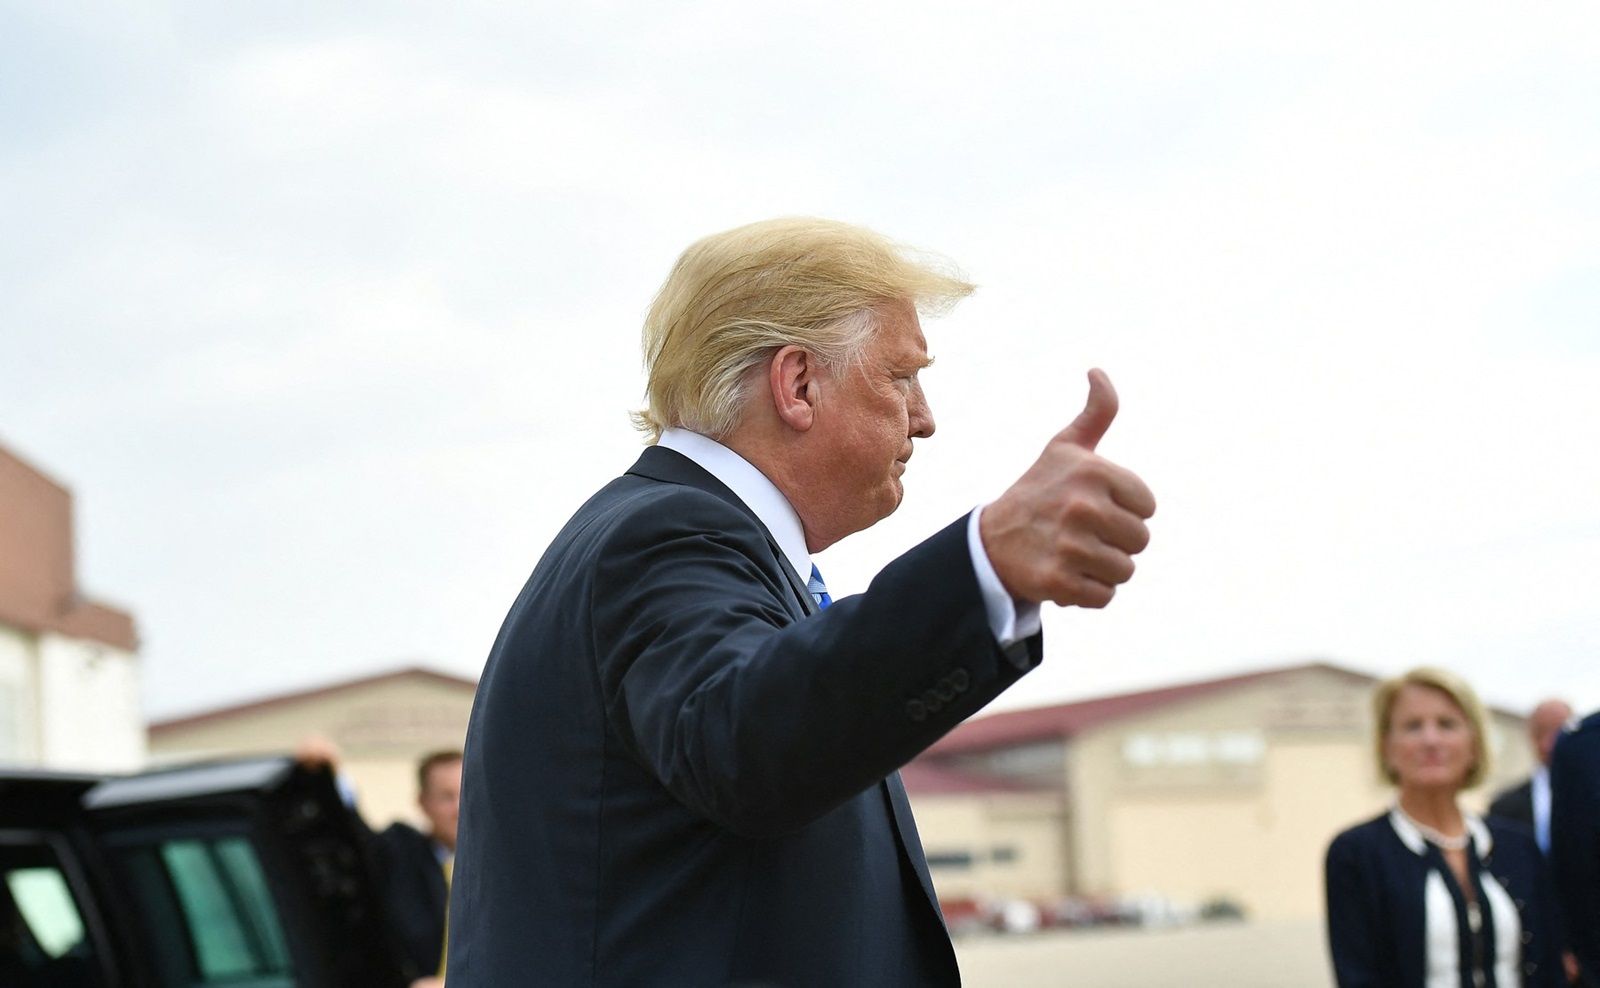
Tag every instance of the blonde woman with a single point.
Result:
(1428, 895)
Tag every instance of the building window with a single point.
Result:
(1004, 854)
(1236, 747)
(10, 722)
(1143, 749)
(1240, 747)
(950, 859)
(1046, 758)
(1188, 748)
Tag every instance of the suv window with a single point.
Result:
(207, 902)
(42, 936)
(229, 910)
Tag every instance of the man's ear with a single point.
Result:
(792, 376)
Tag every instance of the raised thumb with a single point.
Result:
(1098, 411)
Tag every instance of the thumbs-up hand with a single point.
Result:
(1068, 530)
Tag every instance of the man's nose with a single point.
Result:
(922, 425)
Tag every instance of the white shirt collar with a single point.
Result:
(1412, 838)
(752, 487)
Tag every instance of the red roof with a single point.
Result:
(1066, 719)
(414, 672)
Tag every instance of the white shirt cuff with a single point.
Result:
(1010, 620)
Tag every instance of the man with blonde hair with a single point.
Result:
(682, 762)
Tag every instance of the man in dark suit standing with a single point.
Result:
(1575, 840)
(418, 866)
(1529, 803)
(681, 767)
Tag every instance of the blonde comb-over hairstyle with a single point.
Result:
(1450, 685)
(735, 298)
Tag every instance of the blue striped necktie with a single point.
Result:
(819, 590)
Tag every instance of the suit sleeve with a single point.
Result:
(1575, 843)
(757, 719)
(1354, 928)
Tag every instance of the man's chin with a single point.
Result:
(897, 494)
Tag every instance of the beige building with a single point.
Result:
(1227, 789)
(381, 725)
(69, 665)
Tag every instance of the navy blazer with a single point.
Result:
(1515, 803)
(416, 895)
(1377, 916)
(678, 772)
(1575, 838)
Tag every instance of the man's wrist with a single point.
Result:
(1010, 620)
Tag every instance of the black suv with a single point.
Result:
(247, 873)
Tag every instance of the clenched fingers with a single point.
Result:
(1067, 531)
(1130, 492)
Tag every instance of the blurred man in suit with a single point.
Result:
(1529, 803)
(1575, 840)
(418, 865)
(682, 762)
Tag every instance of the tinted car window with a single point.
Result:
(43, 943)
(209, 905)
(44, 903)
(228, 908)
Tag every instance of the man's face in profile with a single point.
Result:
(868, 415)
(440, 801)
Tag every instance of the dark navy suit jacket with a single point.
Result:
(416, 894)
(679, 773)
(1515, 803)
(1575, 838)
(1377, 916)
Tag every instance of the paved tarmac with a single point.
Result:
(1279, 954)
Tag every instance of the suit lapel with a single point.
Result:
(910, 844)
(672, 467)
(802, 593)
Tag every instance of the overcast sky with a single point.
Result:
(328, 313)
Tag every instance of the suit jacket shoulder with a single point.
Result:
(678, 771)
(1514, 803)
(689, 624)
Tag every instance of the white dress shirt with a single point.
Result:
(1539, 789)
(1010, 621)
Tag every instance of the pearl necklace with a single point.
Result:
(1434, 837)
